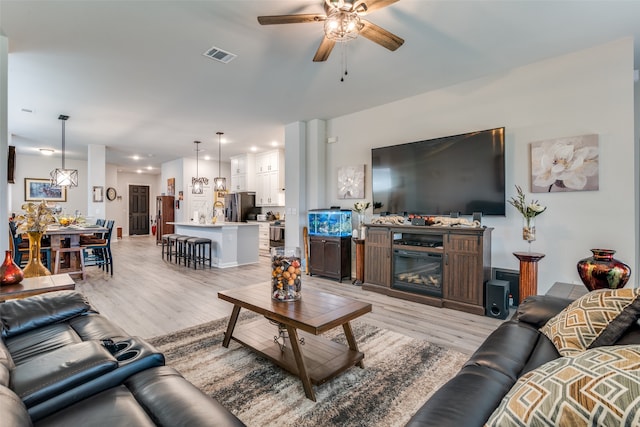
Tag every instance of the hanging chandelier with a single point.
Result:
(198, 182)
(342, 25)
(62, 177)
(220, 182)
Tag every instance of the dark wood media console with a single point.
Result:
(439, 266)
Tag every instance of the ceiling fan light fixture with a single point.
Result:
(342, 26)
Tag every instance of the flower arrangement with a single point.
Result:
(528, 210)
(361, 207)
(36, 217)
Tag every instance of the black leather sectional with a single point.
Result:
(513, 349)
(64, 364)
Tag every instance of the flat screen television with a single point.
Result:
(454, 174)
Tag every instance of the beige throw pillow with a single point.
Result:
(596, 319)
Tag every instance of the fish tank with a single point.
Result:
(330, 222)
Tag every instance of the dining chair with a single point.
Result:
(20, 248)
(97, 252)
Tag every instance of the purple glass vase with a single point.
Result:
(602, 271)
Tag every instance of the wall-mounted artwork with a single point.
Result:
(565, 164)
(98, 194)
(351, 182)
(171, 187)
(37, 189)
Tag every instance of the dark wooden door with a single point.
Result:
(138, 209)
(463, 269)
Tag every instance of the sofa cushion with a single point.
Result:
(22, 315)
(599, 386)
(595, 319)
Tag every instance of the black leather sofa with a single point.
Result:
(62, 363)
(513, 349)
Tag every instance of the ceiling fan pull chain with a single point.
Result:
(343, 48)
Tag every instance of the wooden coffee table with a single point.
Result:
(296, 325)
(37, 285)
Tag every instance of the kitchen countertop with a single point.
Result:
(216, 225)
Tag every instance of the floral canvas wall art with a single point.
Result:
(351, 182)
(565, 164)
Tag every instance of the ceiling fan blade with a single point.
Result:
(381, 36)
(371, 5)
(291, 19)
(326, 45)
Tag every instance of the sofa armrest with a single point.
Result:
(171, 400)
(468, 399)
(12, 409)
(22, 315)
(536, 310)
(55, 372)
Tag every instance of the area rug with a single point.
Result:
(400, 374)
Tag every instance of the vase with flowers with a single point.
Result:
(529, 211)
(360, 208)
(34, 221)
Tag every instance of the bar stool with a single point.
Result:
(172, 245)
(181, 249)
(166, 240)
(196, 251)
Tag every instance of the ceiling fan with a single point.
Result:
(342, 22)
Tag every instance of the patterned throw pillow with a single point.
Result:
(599, 387)
(596, 319)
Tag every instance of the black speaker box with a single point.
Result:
(513, 277)
(497, 301)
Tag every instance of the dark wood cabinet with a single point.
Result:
(164, 214)
(330, 256)
(466, 262)
(377, 256)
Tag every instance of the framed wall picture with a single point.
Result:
(98, 194)
(37, 189)
(565, 164)
(171, 187)
(351, 182)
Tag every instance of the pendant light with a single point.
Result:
(198, 183)
(62, 177)
(220, 182)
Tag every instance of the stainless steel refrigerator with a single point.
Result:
(238, 205)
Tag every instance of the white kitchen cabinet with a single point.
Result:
(243, 173)
(270, 178)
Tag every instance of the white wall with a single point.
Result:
(39, 166)
(585, 92)
(119, 208)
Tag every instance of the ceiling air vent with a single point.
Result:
(219, 55)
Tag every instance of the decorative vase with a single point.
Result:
(602, 271)
(529, 229)
(362, 227)
(10, 272)
(34, 267)
(286, 274)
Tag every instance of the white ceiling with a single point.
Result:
(131, 75)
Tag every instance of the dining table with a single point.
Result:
(66, 250)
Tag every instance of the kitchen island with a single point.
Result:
(232, 243)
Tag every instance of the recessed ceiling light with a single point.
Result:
(149, 168)
(207, 157)
(135, 157)
(274, 143)
(254, 148)
(46, 151)
(139, 171)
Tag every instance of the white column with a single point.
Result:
(96, 177)
(316, 164)
(295, 183)
(4, 144)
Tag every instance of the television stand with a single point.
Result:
(439, 266)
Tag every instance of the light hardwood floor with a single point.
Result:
(148, 296)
